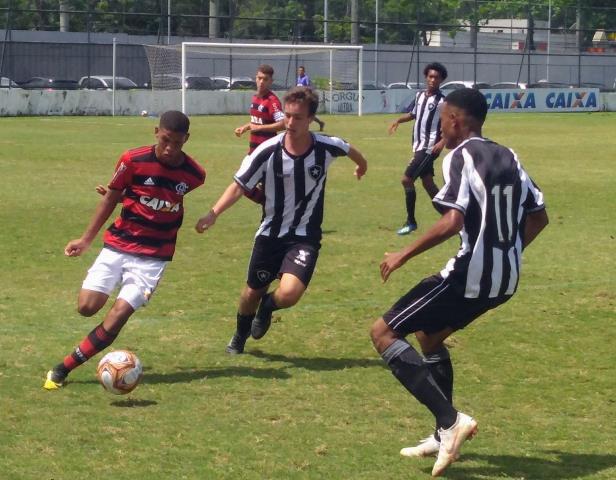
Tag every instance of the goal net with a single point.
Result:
(191, 68)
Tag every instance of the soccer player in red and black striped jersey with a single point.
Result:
(266, 118)
(266, 115)
(151, 183)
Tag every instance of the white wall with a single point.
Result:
(15, 102)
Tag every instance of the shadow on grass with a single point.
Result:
(567, 465)
(132, 403)
(320, 363)
(188, 376)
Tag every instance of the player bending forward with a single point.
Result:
(151, 183)
(492, 203)
(293, 169)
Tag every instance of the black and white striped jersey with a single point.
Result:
(294, 187)
(426, 112)
(487, 183)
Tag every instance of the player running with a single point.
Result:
(293, 169)
(495, 207)
(151, 183)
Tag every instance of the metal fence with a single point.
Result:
(393, 52)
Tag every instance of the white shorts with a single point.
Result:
(137, 276)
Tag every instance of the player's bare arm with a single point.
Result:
(535, 223)
(438, 147)
(242, 129)
(403, 119)
(229, 197)
(103, 211)
(269, 128)
(444, 228)
(357, 157)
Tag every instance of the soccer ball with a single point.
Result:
(119, 372)
(144, 113)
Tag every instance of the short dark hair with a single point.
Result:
(303, 95)
(471, 101)
(266, 69)
(174, 121)
(439, 67)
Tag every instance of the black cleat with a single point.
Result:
(261, 322)
(236, 344)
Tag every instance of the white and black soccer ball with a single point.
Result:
(144, 113)
(119, 372)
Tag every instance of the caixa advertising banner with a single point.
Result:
(506, 100)
(543, 100)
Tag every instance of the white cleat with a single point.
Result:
(428, 447)
(452, 439)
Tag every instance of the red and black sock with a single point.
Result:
(96, 341)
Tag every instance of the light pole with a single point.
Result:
(325, 8)
(168, 22)
(547, 73)
(376, 43)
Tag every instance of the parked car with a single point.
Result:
(49, 84)
(546, 84)
(506, 85)
(374, 86)
(105, 82)
(6, 82)
(457, 84)
(236, 83)
(407, 85)
(600, 86)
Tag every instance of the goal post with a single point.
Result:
(336, 71)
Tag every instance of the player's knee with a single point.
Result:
(379, 333)
(406, 182)
(286, 298)
(87, 309)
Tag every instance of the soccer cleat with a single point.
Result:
(452, 439)
(53, 381)
(406, 229)
(261, 323)
(428, 447)
(236, 344)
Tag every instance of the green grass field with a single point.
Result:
(312, 400)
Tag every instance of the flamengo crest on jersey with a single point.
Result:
(152, 205)
(294, 187)
(487, 183)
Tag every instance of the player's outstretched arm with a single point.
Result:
(360, 161)
(535, 223)
(444, 228)
(407, 117)
(231, 195)
(103, 211)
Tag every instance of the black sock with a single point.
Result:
(411, 371)
(267, 303)
(410, 196)
(243, 324)
(439, 364)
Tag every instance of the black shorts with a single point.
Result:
(435, 304)
(271, 257)
(421, 164)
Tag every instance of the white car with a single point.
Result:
(407, 85)
(236, 83)
(507, 85)
(6, 82)
(105, 82)
(458, 84)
